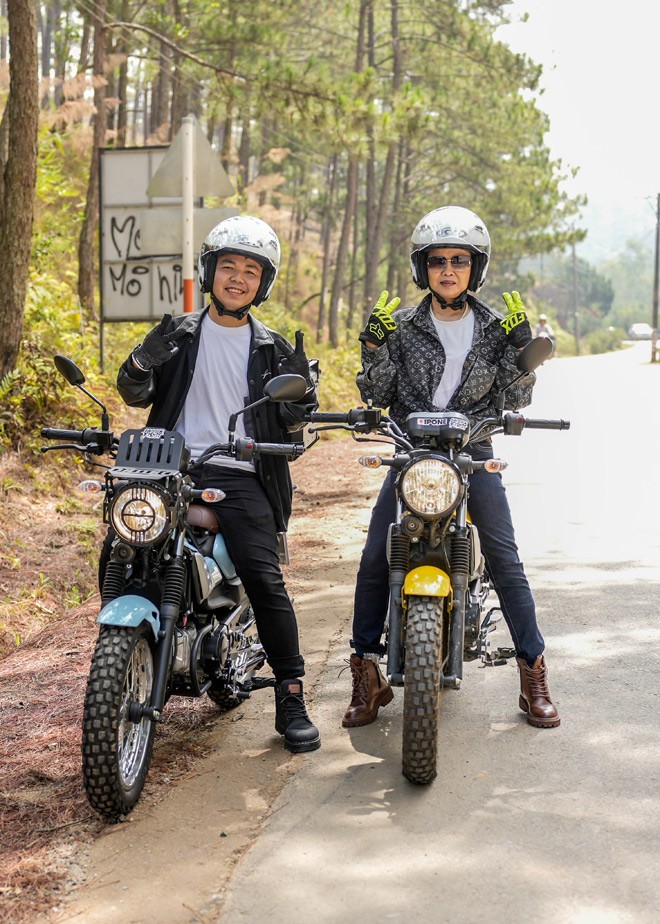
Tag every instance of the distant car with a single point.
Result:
(640, 331)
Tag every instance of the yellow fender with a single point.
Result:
(427, 581)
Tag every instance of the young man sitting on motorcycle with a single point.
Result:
(195, 371)
(452, 352)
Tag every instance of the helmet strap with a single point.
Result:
(458, 304)
(220, 308)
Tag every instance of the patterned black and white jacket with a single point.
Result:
(404, 373)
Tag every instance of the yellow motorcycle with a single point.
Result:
(439, 584)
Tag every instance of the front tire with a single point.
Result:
(116, 751)
(421, 689)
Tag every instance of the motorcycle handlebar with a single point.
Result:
(246, 449)
(280, 449)
(91, 439)
(369, 417)
(328, 417)
(75, 436)
(531, 424)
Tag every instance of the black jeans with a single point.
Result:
(490, 513)
(248, 526)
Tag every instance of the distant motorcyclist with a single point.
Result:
(194, 371)
(452, 351)
(543, 329)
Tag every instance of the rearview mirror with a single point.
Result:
(286, 388)
(74, 376)
(69, 370)
(534, 353)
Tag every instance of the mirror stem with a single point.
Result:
(231, 426)
(104, 425)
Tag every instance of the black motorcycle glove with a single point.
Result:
(380, 323)
(515, 324)
(158, 346)
(297, 363)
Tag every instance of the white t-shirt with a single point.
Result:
(456, 338)
(219, 388)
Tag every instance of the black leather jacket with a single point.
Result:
(404, 373)
(164, 389)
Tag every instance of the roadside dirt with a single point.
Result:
(213, 778)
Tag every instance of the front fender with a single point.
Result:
(426, 581)
(130, 610)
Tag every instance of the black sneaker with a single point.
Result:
(291, 719)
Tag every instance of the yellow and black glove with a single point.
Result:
(380, 323)
(515, 324)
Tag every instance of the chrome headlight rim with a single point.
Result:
(141, 514)
(446, 494)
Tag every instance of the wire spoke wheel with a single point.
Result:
(116, 749)
(421, 689)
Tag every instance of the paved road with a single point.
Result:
(555, 826)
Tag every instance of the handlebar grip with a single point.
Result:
(531, 424)
(328, 417)
(279, 449)
(363, 419)
(51, 433)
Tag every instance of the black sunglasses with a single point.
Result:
(458, 261)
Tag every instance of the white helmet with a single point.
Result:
(246, 235)
(450, 226)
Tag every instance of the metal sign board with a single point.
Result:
(135, 286)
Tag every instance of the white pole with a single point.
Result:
(188, 161)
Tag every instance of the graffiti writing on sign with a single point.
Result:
(125, 278)
(170, 283)
(136, 285)
(125, 237)
(142, 290)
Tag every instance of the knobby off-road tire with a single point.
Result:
(117, 752)
(421, 689)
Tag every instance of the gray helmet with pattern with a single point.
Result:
(246, 235)
(450, 226)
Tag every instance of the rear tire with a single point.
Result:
(421, 689)
(117, 752)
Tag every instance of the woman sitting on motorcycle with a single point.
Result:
(452, 351)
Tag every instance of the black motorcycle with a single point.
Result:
(175, 619)
(439, 584)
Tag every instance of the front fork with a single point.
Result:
(460, 577)
(460, 574)
(399, 558)
(170, 606)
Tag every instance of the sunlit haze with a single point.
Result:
(600, 79)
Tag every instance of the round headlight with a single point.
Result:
(430, 487)
(139, 515)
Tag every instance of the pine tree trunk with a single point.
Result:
(86, 250)
(342, 251)
(19, 174)
(326, 240)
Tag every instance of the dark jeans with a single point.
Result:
(248, 526)
(490, 513)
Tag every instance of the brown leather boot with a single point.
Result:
(535, 695)
(370, 691)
